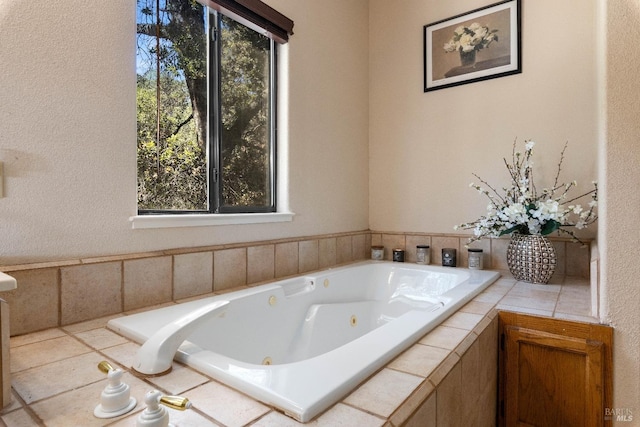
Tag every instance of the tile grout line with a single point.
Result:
(100, 351)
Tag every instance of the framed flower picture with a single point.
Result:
(477, 45)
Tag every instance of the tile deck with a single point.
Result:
(55, 380)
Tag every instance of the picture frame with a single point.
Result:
(477, 45)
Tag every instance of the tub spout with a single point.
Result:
(157, 353)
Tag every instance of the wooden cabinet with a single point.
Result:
(553, 372)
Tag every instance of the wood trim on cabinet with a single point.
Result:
(553, 371)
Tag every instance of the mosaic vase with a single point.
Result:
(531, 258)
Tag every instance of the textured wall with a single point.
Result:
(68, 130)
(424, 147)
(620, 171)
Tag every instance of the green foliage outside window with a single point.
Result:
(173, 137)
(171, 174)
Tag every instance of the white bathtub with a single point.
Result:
(302, 344)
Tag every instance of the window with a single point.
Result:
(206, 87)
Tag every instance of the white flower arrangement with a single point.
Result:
(521, 209)
(473, 37)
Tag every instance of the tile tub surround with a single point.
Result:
(449, 377)
(60, 293)
(573, 259)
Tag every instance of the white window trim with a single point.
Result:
(170, 221)
(283, 213)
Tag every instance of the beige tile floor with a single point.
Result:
(55, 380)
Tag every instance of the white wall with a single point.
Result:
(425, 146)
(619, 230)
(68, 130)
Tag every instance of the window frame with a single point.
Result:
(215, 118)
(204, 220)
(258, 17)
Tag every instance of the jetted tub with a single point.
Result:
(302, 344)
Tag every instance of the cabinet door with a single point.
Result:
(553, 375)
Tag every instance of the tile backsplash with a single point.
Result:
(61, 293)
(573, 259)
